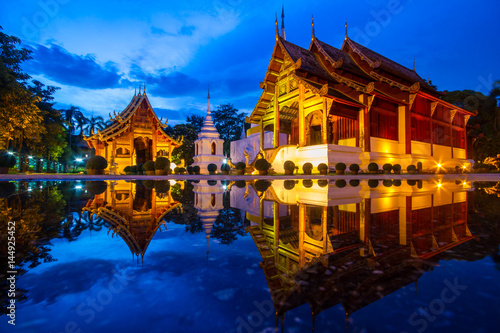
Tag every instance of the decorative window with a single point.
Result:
(214, 150)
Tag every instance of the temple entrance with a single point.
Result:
(314, 128)
(143, 150)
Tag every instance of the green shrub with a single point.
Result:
(162, 186)
(411, 168)
(190, 170)
(7, 189)
(212, 182)
(373, 183)
(387, 167)
(127, 169)
(179, 170)
(212, 167)
(97, 163)
(322, 166)
(162, 163)
(396, 182)
(196, 169)
(354, 182)
(307, 166)
(340, 166)
(133, 169)
(373, 167)
(354, 167)
(7, 160)
(307, 183)
(240, 183)
(396, 167)
(96, 187)
(322, 182)
(240, 166)
(289, 165)
(289, 184)
(149, 184)
(340, 183)
(225, 167)
(411, 182)
(139, 168)
(148, 166)
(262, 165)
(262, 185)
(387, 182)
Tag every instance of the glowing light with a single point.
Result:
(77, 187)
(30, 157)
(224, 161)
(29, 189)
(41, 160)
(464, 183)
(439, 165)
(439, 184)
(11, 153)
(78, 160)
(173, 166)
(224, 187)
(464, 167)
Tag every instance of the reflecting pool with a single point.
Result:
(251, 256)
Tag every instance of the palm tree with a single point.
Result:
(81, 122)
(95, 124)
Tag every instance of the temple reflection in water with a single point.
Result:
(350, 243)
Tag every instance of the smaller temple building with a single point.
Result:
(209, 146)
(135, 136)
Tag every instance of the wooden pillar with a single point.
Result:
(336, 131)
(131, 133)
(276, 127)
(325, 121)
(324, 224)
(261, 134)
(366, 129)
(408, 129)
(302, 230)
(302, 128)
(155, 145)
(276, 225)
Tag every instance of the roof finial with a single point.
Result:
(313, 34)
(277, 30)
(139, 89)
(283, 22)
(413, 63)
(135, 91)
(144, 87)
(208, 109)
(345, 37)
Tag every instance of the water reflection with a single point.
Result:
(321, 243)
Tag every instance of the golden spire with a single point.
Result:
(345, 37)
(144, 87)
(313, 34)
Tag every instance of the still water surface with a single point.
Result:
(198, 256)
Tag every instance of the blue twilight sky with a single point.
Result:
(99, 51)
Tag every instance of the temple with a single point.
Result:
(324, 244)
(134, 212)
(351, 105)
(135, 136)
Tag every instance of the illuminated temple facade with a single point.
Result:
(325, 244)
(351, 105)
(135, 136)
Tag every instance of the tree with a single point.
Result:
(95, 124)
(20, 118)
(186, 150)
(228, 122)
(195, 120)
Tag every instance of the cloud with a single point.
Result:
(61, 66)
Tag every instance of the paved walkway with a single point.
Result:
(494, 177)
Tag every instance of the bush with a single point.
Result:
(396, 182)
(262, 165)
(149, 184)
(97, 163)
(240, 166)
(133, 169)
(190, 170)
(289, 184)
(340, 183)
(240, 183)
(340, 166)
(396, 167)
(96, 187)
(162, 163)
(7, 189)
(307, 183)
(212, 167)
(7, 160)
(411, 168)
(323, 166)
(162, 186)
(354, 167)
(196, 169)
(307, 166)
(262, 185)
(139, 168)
(149, 166)
(225, 167)
(179, 170)
(212, 182)
(387, 167)
(373, 167)
(354, 182)
(322, 182)
(127, 169)
(289, 165)
(411, 182)
(387, 182)
(373, 183)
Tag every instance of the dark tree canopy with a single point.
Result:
(196, 121)
(229, 124)
(186, 151)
